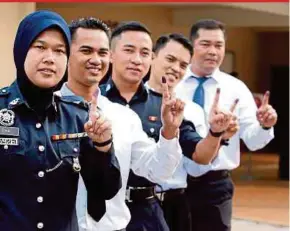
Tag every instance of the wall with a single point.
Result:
(10, 15)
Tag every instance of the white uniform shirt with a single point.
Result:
(194, 113)
(254, 136)
(133, 148)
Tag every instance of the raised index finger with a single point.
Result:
(93, 108)
(165, 91)
(216, 98)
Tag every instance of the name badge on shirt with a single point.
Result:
(9, 131)
(9, 141)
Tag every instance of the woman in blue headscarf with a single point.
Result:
(43, 143)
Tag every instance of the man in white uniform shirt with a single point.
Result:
(210, 188)
(88, 63)
(172, 54)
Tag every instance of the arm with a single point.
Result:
(101, 174)
(154, 161)
(100, 167)
(100, 171)
(206, 149)
(252, 133)
(202, 151)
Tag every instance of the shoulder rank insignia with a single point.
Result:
(6, 117)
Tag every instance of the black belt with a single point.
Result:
(134, 194)
(171, 193)
(209, 176)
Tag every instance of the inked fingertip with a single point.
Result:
(163, 79)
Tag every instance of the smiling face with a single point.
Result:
(208, 51)
(131, 56)
(171, 62)
(90, 56)
(46, 59)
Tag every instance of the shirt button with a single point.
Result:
(40, 174)
(39, 199)
(40, 225)
(75, 150)
(152, 130)
(5, 147)
(41, 148)
(38, 125)
(3, 90)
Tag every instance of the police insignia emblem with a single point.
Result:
(6, 117)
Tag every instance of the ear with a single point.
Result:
(111, 56)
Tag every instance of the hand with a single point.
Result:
(232, 129)
(98, 127)
(266, 114)
(220, 120)
(171, 112)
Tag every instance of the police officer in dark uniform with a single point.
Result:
(45, 140)
(131, 48)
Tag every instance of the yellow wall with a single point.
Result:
(242, 41)
(10, 15)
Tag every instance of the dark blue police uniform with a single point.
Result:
(43, 148)
(144, 206)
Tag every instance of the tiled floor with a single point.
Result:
(259, 195)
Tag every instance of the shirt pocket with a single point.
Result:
(18, 150)
(69, 151)
(13, 158)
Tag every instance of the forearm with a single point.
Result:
(156, 162)
(206, 149)
(101, 173)
(254, 136)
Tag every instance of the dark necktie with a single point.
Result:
(198, 96)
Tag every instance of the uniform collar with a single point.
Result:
(69, 96)
(111, 90)
(189, 74)
(16, 99)
(152, 90)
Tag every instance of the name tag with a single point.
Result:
(9, 131)
(9, 141)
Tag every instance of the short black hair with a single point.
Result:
(181, 39)
(207, 24)
(129, 26)
(89, 23)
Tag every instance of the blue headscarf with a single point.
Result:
(29, 29)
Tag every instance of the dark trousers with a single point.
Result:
(177, 211)
(210, 203)
(146, 215)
